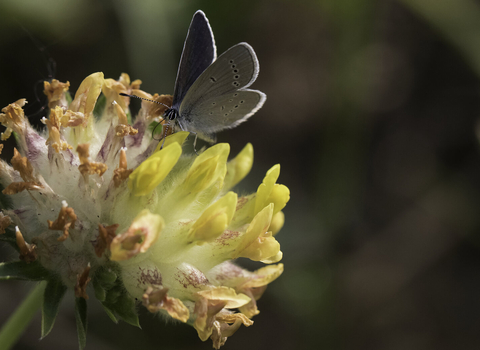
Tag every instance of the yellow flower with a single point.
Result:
(97, 200)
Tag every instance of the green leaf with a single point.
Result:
(81, 318)
(52, 297)
(111, 292)
(14, 327)
(125, 308)
(106, 276)
(20, 270)
(110, 313)
(121, 305)
(100, 292)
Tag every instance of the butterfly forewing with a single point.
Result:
(198, 53)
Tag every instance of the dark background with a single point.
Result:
(373, 114)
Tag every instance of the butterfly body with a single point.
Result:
(211, 93)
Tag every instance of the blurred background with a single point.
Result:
(373, 112)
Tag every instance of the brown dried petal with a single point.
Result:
(55, 92)
(5, 221)
(23, 166)
(66, 219)
(154, 110)
(13, 118)
(121, 173)
(28, 252)
(86, 167)
(123, 130)
(206, 310)
(105, 236)
(82, 282)
(156, 299)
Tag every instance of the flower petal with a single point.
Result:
(87, 95)
(270, 192)
(207, 168)
(214, 220)
(239, 167)
(148, 175)
(142, 233)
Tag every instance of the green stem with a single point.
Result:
(17, 322)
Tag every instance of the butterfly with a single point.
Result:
(211, 94)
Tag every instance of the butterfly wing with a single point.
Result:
(219, 98)
(198, 53)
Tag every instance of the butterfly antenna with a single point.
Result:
(145, 99)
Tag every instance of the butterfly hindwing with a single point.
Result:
(219, 99)
(225, 111)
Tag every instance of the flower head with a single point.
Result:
(96, 201)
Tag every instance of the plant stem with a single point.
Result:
(21, 318)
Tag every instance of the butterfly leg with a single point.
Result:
(165, 133)
(195, 143)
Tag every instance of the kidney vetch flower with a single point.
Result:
(95, 205)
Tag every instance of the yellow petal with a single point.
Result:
(215, 219)
(226, 294)
(200, 177)
(274, 258)
(87, 94)
(148, 175)
(263, 276)
(279, 196)
(270, 192)
(277, 222)
(257, 228)
(245, 211)
(178, 137)
(207, 168)
(142, 233)
(265, 249)
(239, 167)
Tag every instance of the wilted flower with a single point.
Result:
(96, 201)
